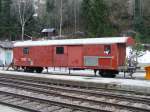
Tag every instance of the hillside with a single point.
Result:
(119, 18)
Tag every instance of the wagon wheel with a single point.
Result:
(28, 69)
(39, 70)
(31, 70)
(107, 74)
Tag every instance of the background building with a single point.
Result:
(6, 54)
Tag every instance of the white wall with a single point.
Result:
(3, 56)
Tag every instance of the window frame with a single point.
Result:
(60, 50)
(107, 49)
(26, 50)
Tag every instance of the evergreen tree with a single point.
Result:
(0, 5)
(48, 18)
(138, 18)
(50, 5)
(6, 23)
(96, 15)
(86, 6)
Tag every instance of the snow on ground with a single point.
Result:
(65, 71)
(62, 71)
(143, 59)
(81, 76)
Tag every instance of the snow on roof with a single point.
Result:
(73, 41)
(48, 30)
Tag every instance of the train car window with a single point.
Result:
(59, 50)
(107, 49)
(25, 50)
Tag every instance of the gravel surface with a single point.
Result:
(9, 109)
(69, 101)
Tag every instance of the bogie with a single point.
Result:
(39, 69)
(108, 73)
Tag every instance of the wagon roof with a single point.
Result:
(106, 40)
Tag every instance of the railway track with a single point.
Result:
(37, 104)
(71, 99)
(49, 82)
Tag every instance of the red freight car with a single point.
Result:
(105, 55)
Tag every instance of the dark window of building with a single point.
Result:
(25, 50)
(59, 50)
(107, 49)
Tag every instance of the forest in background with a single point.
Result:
(93, 18)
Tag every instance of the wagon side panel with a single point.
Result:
(108, 57)
(121, 54)
(75, 56)
(17, 54)
(91, 54)
(60, 56)
(37, 56)
(41, 56)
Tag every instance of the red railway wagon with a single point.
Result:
(106, 55)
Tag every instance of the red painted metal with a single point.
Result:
(73, 57)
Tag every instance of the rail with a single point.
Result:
(80, 99)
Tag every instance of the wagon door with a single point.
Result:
(60, 56)
(121, 54)
(75, 57)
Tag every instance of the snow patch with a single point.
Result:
(143, 59)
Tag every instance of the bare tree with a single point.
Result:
(61, 14)
(75, 16)
(23, 9)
